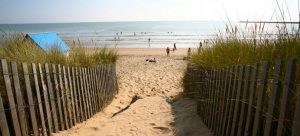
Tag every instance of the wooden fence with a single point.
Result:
(262, 99)
(43, 99)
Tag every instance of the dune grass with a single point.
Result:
(232, 49)
(16, 48)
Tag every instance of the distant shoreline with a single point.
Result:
(180, 52)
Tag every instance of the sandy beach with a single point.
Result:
(159, 109)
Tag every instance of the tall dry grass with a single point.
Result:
(16, 48)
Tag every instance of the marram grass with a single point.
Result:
(233, 50)
(15, 48)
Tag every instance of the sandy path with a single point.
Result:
(156, 113)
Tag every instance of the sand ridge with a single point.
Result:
(156, 113)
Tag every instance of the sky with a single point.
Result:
(60, 11)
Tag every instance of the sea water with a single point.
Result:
(143, 34)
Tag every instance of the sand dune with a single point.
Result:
(159, 109)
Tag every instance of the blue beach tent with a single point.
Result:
(48, 40)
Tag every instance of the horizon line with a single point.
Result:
(112, 21)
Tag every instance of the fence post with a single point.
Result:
(261, 94)
(288, 84)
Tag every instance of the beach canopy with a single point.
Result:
(48, 40)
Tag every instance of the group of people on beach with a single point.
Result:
(168, 49)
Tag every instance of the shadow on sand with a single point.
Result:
(187, 121)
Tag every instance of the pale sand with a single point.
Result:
(161, 111)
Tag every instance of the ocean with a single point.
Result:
(157, 34)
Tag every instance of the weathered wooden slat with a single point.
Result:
(67, 97)
(3, 121)
(232, 102)
(88, 92)
(222, 100)
(287, 86)
(296, 119)
(237, 102)
(20, 101)
(79, 92)
(30, 100)
(111, 84)
(216, 99)
(273, 97)
(225, 85)
(206, 118)
(52, 99)
(101, 93)
(75, 101)
(102, 86)
(38, 94)
(241, 124)
(250, 111)
(229, 75)
(106, 84)
(94, 76)
(90, 86)
(86, 84)
(211, 98)
(46, 100)
(96, 91)
(83, 97)
(58, 98)
(71, 97)
(63, 97)
(10, 96)
(260, 99)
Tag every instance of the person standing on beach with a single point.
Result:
(174, 47)
(149, 41)
(168, 51)
(200, 46)
(189, 52)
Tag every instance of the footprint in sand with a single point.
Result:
(94, 128)
(163, 129)
(152, 124)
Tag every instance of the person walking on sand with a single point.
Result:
(168, 51)
(149, 41)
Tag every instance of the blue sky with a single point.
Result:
(49, 11)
